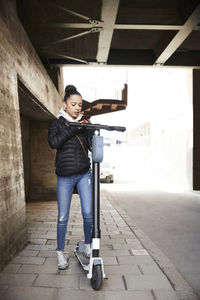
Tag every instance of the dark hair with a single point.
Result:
(70, 90)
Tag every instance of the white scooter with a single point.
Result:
(94, 264)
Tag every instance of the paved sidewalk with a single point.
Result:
(33, 274)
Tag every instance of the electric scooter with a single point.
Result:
(94, 264)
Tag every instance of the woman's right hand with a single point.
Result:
(84, 121)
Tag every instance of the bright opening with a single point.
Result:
(156, 150)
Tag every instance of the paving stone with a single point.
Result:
(28, 260)
(119, 252)
(41, 247)
(165, 295)
(36, 231)
(119, 240)
(17, 279)
(127, 295)
(80, 294)
(122, 236)
(51, 261)
(115, 282)
(39, 226)
(37, 241)
(74, 268)
(136, 245)
(138, 259)
(37, 236)
(67, 281)
(54, 242)
(122, 270)
(105, 237)
(113, 232)
(131, 240)
(46, 253)
(74, 241)
(52, 235)
(110, 228)
(51, 242)
(29, 293)
(139, 252)
(28, 253)
(11, 268)
(53, 230)
(39, 269)
(147, 282)
(106, 246)
(150, 269)
(50, 223)
(125, 230)
(109, 261)
(107, 223)
(52, 253)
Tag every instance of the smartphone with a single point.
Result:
(85, 118)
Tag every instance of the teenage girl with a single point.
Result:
(72, 168)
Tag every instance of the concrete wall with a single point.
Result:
(43, 179)
(18, 59)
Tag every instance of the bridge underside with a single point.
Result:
(114, 32)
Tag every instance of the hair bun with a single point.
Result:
(70, 88)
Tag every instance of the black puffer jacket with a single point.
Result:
(70, 157)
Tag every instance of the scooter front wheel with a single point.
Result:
(96, 280)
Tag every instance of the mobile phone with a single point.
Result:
(84, 117)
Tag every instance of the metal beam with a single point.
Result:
(116, 26)
(150, 27)
(90, 20)
(70, 25)
(147, 27)
(67, 57)
(179, 38)
(108, 15)
(92, 30)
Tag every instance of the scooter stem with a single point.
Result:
(96, 231)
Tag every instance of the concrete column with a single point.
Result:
(56, 75)
(26, 151)
(196, 128)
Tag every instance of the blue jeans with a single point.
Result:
(65, 186)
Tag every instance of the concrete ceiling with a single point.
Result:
(30, 107)
(114, 32)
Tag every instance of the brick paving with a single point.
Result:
(33, 274)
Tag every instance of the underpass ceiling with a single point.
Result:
(113, 32)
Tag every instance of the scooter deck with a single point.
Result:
(84, 261)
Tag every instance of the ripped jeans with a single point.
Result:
(65, 186)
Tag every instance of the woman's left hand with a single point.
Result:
(85, 121)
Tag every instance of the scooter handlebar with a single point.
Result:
(98, 126)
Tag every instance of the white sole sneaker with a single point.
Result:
(88, 250)
(62, 259)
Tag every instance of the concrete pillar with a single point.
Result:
(26, 152)
(196, 129)
(56, 75)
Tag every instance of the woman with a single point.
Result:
(72, 168)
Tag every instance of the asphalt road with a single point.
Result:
(171, 220)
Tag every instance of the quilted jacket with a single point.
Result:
(70, 156)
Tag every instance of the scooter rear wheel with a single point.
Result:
(96, 279)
